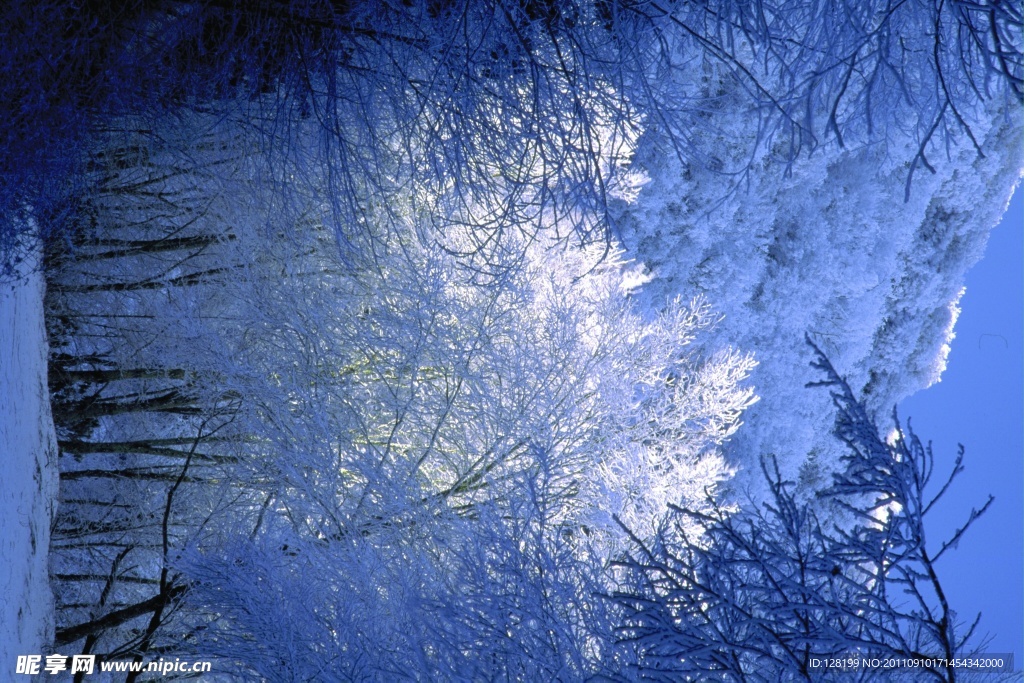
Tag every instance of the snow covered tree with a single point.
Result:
(344, 232)
(144, 434)
(498, 117)
(224, 378)
(757, 595)
(446, 451)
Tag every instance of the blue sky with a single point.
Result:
(980, 403)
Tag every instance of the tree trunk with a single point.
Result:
(66, 636)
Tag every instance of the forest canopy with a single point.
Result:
(414, 340)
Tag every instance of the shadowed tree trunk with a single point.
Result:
(158, 602)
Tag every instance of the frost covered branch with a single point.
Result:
(757, 595)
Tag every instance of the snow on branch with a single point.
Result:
(760, 595)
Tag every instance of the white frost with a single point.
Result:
(831, 250)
